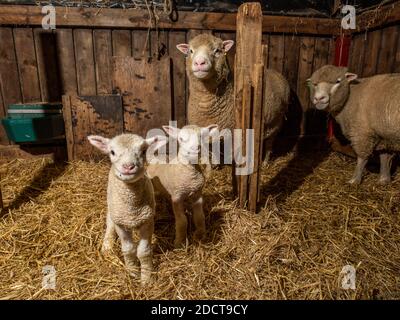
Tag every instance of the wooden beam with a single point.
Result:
(134, 18)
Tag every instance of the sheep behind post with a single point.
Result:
(130, 199)
(367, 109)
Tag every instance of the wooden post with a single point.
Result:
(248, 92)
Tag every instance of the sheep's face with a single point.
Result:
(206, 56)
(330, 87)
(127, 153)
(191, 139)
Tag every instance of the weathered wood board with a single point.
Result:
(86, 115)
(146, 92)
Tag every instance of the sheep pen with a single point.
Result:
(311, 225)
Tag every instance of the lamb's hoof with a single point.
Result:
(354, 181)
(106, 248)
(180, 244)
(384, 180)
(199, 236)
(134, 272)
(146, 279)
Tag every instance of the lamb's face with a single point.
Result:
(191, 139)
(127, 154)
(206, 55)
(330, 87)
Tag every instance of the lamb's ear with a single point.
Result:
(183, 47)
(228, 44)
(156, 142)
(172, 131)
(350, 76)
(100, 143)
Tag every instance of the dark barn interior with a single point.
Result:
(309, 222)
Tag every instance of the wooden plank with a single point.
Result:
(102, 57)
(146, 91)
(291, 60)
(321, 53)
(396, 66)
(178, 76)
(332, 49)
(86, 76)
(140, 44)
(49, 74)
(372, 50)
(265, 42)
(69, 134)
(66, 61)
(378, 18)
(276, 52)
(357, 51)
(158, 43)
(248, 53)
(122, 43)
(306, 56)
(27, 64)
(387, 53)
(132, 18)
(256, 123)
(3, 112)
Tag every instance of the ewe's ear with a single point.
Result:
(156, 142)
(183, 47)
(228, 44)
(172, 131)
(350, 76)
(100, 143)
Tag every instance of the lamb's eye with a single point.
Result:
(191, 50)
(339, 80)
(112, 153)
(217, 50)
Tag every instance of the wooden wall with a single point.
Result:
(375, 52)
(37, 65)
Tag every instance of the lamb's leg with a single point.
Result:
(128, 249)
(145, 252)
(109, 236)
(198, 219)
(386, 162)
(357, 176)
(180, 223)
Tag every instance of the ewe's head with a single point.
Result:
(206, 56)
(127, 153)
(330, 87)
(191, 139)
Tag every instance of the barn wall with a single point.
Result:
(375, 52)
(37, 65)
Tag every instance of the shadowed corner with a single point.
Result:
(38, 185)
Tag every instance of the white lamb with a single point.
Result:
(130, 199)
(182, 179)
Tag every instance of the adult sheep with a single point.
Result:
(367, 109)
(211, 88)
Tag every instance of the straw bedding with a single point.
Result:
(311, 224)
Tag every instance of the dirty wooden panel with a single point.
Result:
(102, 55)
(101, 115)
(3, 135)
(265, 42)
(178, 76)
(291, 60)
(85, 70)
(66, 61)
(305, 69)
(387, 53)
(49, 75)
(122, 43)
(158, 44)
(321, 53)
(140, 44)
(371, 53)
(146, 92)
(27, 64)
(9, 78)
(276, 52)
(357, 51)
(69, 133)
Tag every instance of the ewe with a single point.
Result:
(211, 88)
(368, 111)
(182, 179)
(130, 199)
